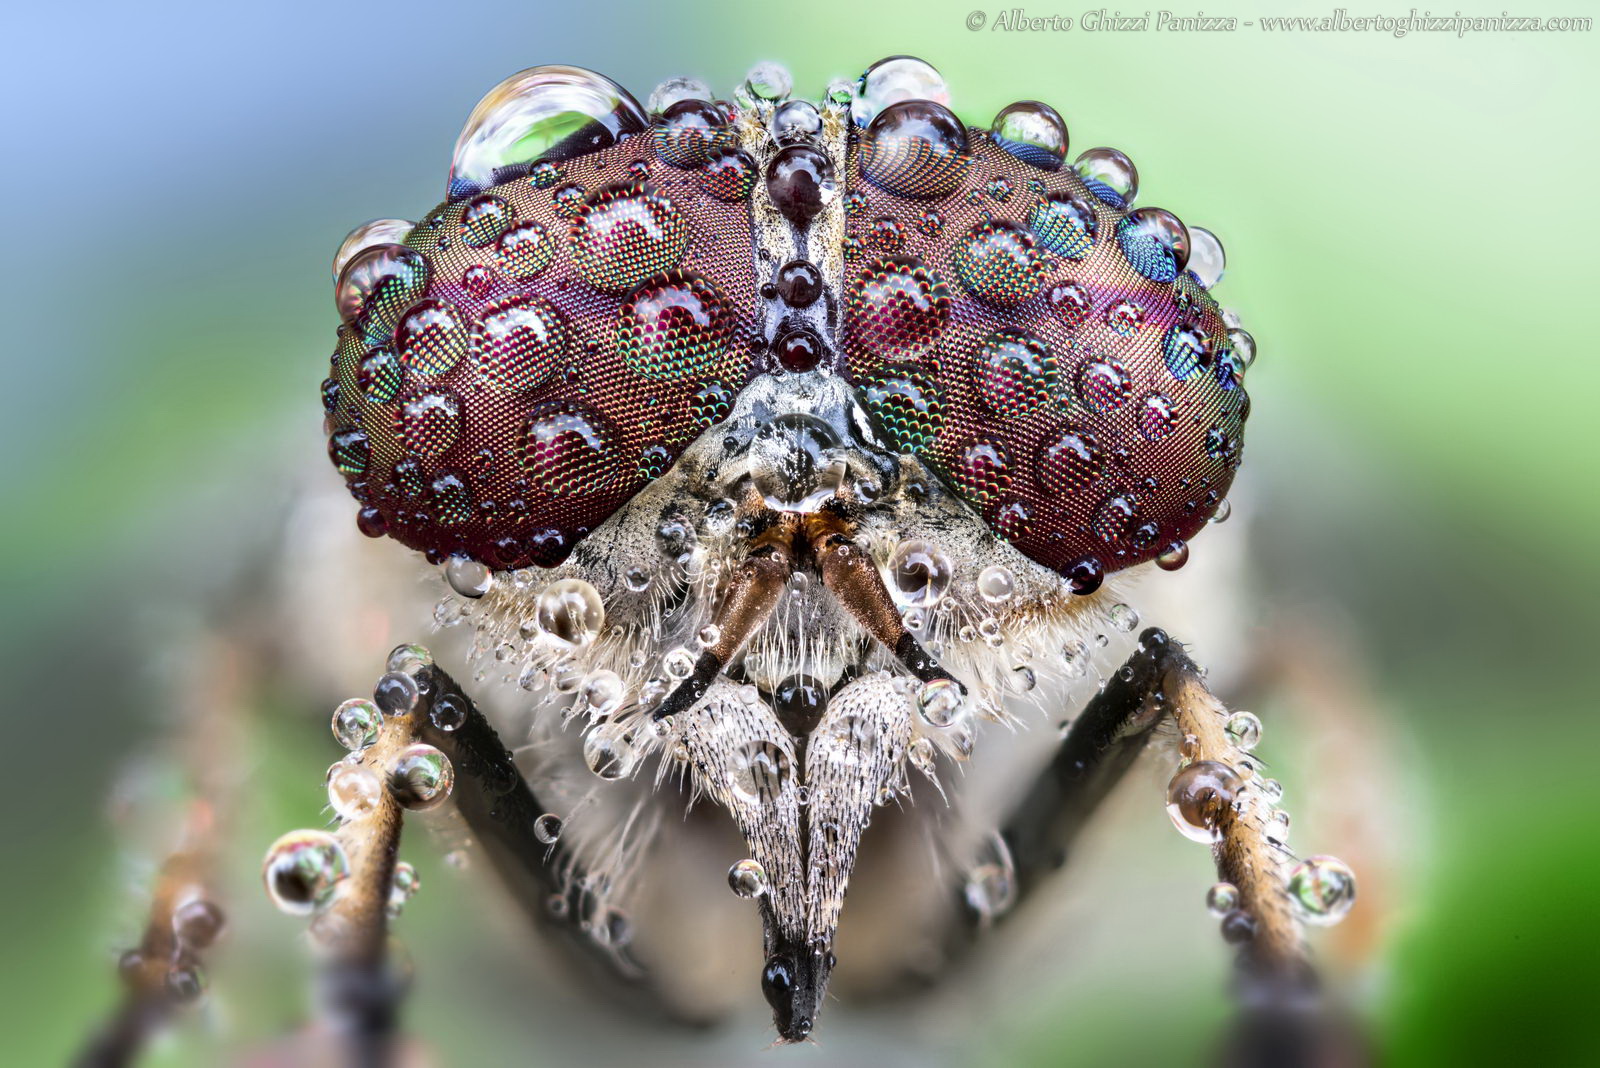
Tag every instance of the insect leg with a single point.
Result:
(1282, 1020)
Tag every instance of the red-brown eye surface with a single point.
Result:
(1039, 346)
(592, 297)
(536, 350)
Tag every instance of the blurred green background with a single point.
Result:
(1407, 240)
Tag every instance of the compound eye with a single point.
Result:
(1048, 350)
(520, 363)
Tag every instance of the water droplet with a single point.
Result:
(678, 664)
(1173, 556)
(1322, 889)
(1124, 618)
(1187, 348)
(547, 828)
(1068, 464)
(1244, 730)
(380, 375)
(1155, 243)
(690, 131)
(350, 451)
(428, 422)
(801, 183)
(766, 81)
(302, 869)
(996, 584)
(448, 713)
(760, 771)
(396, 693)
(566, 448)
(554, 112)
(915, 148)
(570, 611)
(675, 326)
(709, 635)
(998, 262)
(1018, 371)
(603, 692)
(675, 89)
(355, 723)
(1071, 304)
(468, 577)
(197, 923)
(1238, 927)
(377, 284)
(1222, 899)
(483, 220)
(940, 702)
(518, 344)
(1243, 345)
(795, 462)
(609, 753)
(1110, 175)
(1278, 827)
(623, 234)
(1206, 258)
(729, 175)
(796, 122)
(524, 251)
(898, 307)
(421, 777)
(747, 878)
(354, 791)
(375, 232)
(432, 337)
(1032, 132)
(1198, 797)
(891, 80)
(1065, 224)
(920, 573)
(799, 283)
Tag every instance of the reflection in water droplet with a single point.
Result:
(518, 344)
(892, 80)
(1018, 371)
(747, 878)
(375, 232)
(555, 112)
(356, 722)
(570, 611)
(566, 448)
(795, 463)
(623, 234)
(547, 828)
(920, 574)
(1206, 258)
(1065, 224)
(431, 337)
(353, 791)
(421, 777)
(1198, 798)
(760, 771)
(690, 131)
(302, 869)
(468, 577)
(1221, 899)
(996, 584)
(609, 753)
(1110, 175)
(940, 702)
(915, 148)
(525, 250)
(1322, 889)
(998, 262)
(1033, 132)
(1244, 730)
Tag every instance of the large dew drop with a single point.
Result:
(919, 574)
(1322, 889)
(1199, 797)
(892, 80)
(1032, 132)
(301, 870)
(375, 232)
(550, 113)
(570, 612)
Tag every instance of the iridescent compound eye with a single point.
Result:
(599, 289)
(537, 349)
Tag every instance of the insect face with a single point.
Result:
(776, 440)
